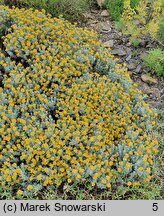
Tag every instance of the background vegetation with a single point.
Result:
(115, 7)
(155, 60)
(70, 9)
(148, 16)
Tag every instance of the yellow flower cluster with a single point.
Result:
(68, 112)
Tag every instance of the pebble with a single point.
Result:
(106, 27)
(104, 13)
(131, 66)
(100, 2)
(109, 44)
(148, 79)
(129, 57)
(119, 52)
(138, 69)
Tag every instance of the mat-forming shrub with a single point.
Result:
(68, 112)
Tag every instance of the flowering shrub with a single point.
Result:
(68, 112)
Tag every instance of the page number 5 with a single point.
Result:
(155, 207)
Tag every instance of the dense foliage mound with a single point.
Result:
(68, 112)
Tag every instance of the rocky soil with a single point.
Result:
(121, 48)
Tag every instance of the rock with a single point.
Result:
(149, 79)
(109, 44)
(131, 66)
(138, 69)
(145, 88)
(129, 57)
(162, 98)
(125, 40)
(116, 36)
(106, 27)
(120, 34)
(128, 51)
(128, 44)
(100, 2)
(148, 90)
(87, 16)
(97, 27)
(104, 13)
(119, 52)
(91, 22)
(156, 92)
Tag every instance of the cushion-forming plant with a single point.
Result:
(68, 111)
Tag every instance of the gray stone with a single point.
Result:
(116, 36)
(87, 16)
(156, 92)
(97, 27)
(128, 51)
(129, 57)
(128, 44)
(100, 2)
(104, 13)
(106, 27)
(148, 79)
(119, 52)
(138, 69)
(131, 66)
(162, 97)
(91, 22)
(120, 34)
(109, 43)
